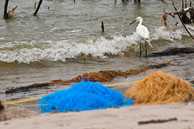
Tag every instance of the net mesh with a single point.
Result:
(82, 96)
(161, 88)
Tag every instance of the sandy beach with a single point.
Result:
(123, 118)
(138, 116)
(83, 54)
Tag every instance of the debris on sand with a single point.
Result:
(161, 88)
(8, 113)
(173, 51)
(99, 76)
(109, 75)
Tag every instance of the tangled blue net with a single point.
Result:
(82, 96)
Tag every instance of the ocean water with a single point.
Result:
(65, 40)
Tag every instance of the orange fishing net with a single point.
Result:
(161, 88)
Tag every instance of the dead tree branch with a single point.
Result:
(173, 4)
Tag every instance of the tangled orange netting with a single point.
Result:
(161, 88)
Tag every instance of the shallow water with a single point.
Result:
(56, 44)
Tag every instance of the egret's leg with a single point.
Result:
(140, 49)
(146, 49)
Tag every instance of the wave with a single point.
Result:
(62, 50)
(164, 33)
(172, 34)
(25, 52)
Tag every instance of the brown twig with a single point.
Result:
(157, 121)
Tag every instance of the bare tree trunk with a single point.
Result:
(115, 2)
(138, 2)
(190, 3)
(5, 16)
(185, 3)
(37, 9)
(182, 3)
(125, 1)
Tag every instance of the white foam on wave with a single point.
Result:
(2, 38)
(27, 52)
(167, 34)
(61, 50)
(172, 34)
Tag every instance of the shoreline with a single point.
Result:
(122, 118)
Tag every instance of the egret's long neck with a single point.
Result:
(140, 21)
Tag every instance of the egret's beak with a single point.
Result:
(132, 22)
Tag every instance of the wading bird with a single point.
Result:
(144, 35)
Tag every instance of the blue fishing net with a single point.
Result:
(82, 96)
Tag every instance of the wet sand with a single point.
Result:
(123, 118)
(24, 76)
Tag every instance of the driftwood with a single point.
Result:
(101, 76)
(173, 51)
(157, 121)
(27, 88)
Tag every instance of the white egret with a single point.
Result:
(143, 33)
